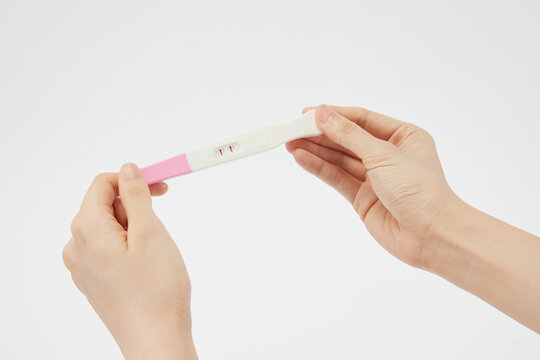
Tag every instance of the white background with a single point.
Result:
(281, 266)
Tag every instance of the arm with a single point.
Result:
(493, 260)
(126, 264)
(390, 172)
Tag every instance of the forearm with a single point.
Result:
(494, 261)
(159, 344)
(143, 336)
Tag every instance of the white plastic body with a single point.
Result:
(256, 141)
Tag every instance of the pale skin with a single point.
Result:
(124, 261)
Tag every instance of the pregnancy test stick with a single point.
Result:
(256, 141)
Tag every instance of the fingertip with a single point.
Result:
(164, 186)
(297, 153)
(303, 157)
(134, 191)
(291, 146)
(158, 189)
(307, 108)
(322, 114)
(129, 171)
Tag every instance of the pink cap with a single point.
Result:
(166, 169)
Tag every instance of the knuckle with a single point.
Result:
(85, 223)
(426, 135)
(321, 107)
(388, 147)
(419, 132)
(77, 283)
(103, 179)
(347, 127)
(76, 226)
(133, 192)
(379, 159)
(318, 168)
(68, 255)
(100, 178)
(339, 160)
(335, 179)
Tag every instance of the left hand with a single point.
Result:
(390, 172)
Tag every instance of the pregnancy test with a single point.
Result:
(253, 142)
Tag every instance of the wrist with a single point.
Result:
(161, 346)
(441, 241)
(455, 254)
(160, 340)
(490, 259)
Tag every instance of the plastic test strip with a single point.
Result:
(250, 143)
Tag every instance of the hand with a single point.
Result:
(389, 171)
(124, 261)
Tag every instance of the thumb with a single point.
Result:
(348, 134)
(134, 194)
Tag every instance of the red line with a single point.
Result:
(230, 148)
(220, 152)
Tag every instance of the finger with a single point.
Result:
(331, 174)
(323, 140)
(365, 200)
(306, 109)
(69, 255)
(352, 165)
(346, 133)
(96, 216)
(134, 194)
(376, 124)
(120, 213)
(158, 189)
(102, 191)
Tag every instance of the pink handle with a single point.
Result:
(166, 169)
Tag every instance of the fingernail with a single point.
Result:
(324, 114)
(129, 171)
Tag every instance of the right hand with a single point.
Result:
(389, 171)
(124, 261)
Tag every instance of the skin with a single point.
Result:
(122, 258)
(390, 172)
